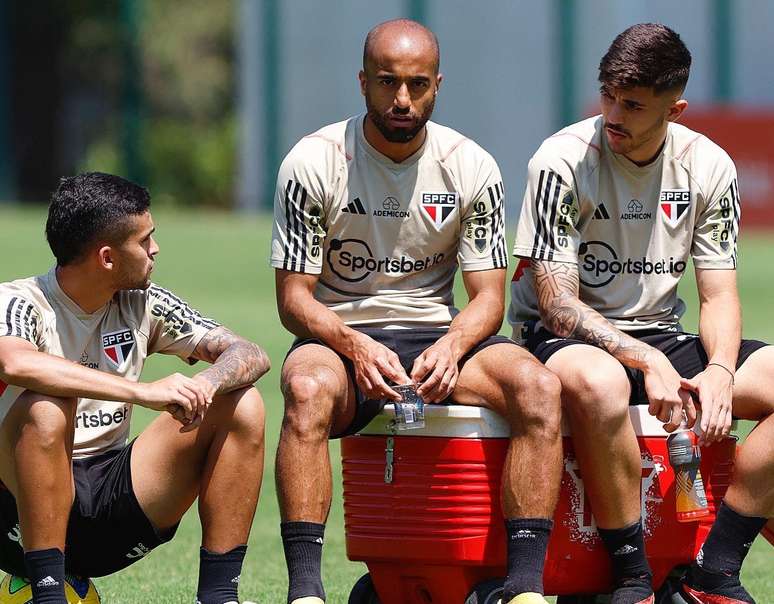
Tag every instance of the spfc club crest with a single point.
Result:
(674, 203)
(439, 206)
(118, 346)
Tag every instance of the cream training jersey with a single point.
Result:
(386, 238)
(630, 229)
(116, 339)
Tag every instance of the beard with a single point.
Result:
(133, 281)
(402, 134)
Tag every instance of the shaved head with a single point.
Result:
(400, 36)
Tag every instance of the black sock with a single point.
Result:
(219, 576)
(303, 542)
(729, 541)
(631, 572)
(527, 544)
(46, 572)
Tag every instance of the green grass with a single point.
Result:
(218, 262)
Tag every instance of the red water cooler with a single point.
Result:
(422, 510)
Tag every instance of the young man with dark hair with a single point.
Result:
(75, 496)
(372, 217)
(615, 206)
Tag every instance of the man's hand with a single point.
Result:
(373, 362)
(667, 396)
(714, 387)
(437, 370)
(183, 397)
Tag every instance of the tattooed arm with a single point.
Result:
(563, 313)
(235, 361)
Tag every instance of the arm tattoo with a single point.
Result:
(235, 361)
(557, 285)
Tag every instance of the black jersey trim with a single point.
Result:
(297, 229)
(552, 220)
(190, 313)
(737, 214)
(499, 253)
(17, 326)
(538, 217)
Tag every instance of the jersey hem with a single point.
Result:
(710, 264)
(529, 253)
(281, 265)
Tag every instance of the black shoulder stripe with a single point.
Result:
(538, 215)
(9, 317)
(29, 327)
(552, 220)
(287, 226)
(297, 229)
(304, 228)
(18, 327)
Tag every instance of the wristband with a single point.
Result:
(724, 367)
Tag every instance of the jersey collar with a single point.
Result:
(383, 159)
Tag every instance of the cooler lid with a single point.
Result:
(465, 421)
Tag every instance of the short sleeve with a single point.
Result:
(175, 327)
(19, 318)
(717, 224)
(482, 244)
(299, 217)
(547, 228)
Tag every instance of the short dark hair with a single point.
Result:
(649, 55)
(90, 208)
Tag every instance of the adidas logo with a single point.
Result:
(236, 579)
(319, 540)
(601, 213)
(524, 534)
(626, 549)
(48, 582)
(355, 207)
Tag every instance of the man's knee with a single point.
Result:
(44, 422)
(309, 401)
(248, 416)
(597, 393)
(534, 398)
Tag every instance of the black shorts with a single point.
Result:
(408, 344)
(684, 351)
(107, 530)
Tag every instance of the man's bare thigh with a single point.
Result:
(483, 377)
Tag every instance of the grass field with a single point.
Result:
(219, 264)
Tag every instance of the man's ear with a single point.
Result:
(677, 109)
(105, 257)
(362, 77)
(438, 80)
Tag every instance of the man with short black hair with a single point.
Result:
(615, 206)
(373, 216)
(72, 346)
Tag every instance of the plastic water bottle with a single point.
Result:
(684, 456)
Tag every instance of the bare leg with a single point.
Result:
(510, 381)
(752, 491)
(319, 400)
(221, 462)
(513, 383)
(595, 394)
(36, 466)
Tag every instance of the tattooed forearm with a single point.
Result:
(235, 361)
(557, 286)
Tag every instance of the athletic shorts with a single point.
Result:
(408, 344)
(684, 351)
(107, 530)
